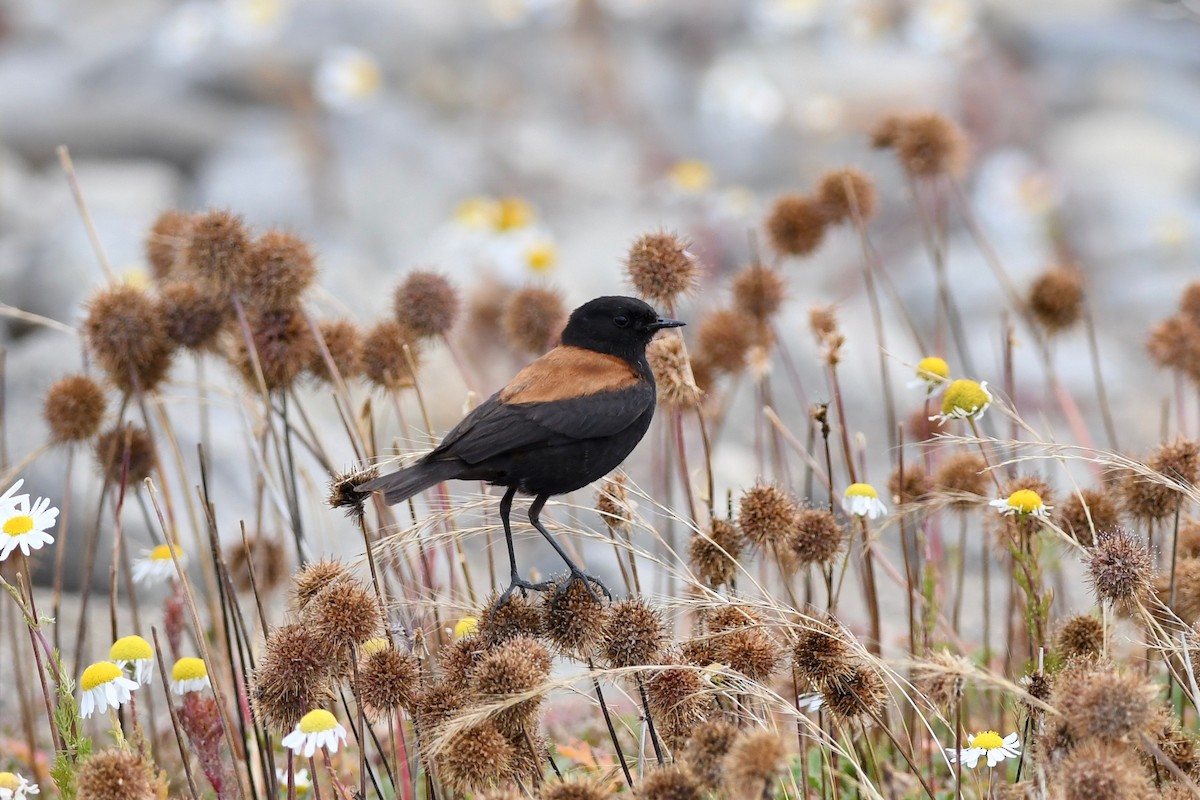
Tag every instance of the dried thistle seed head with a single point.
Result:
(115, 775)
(929, 145)
(1178, 460)
(1147, 499)
(823, 649)
(314, 577)
(1080, 636)
(1101, 771)
(845, 192)
(343, 492)
(750, 651)
(427, 303)
(1187, 590)
(217, 250)
(705, 751)
(863, 692)
(514, 668)
(533, 319)
(387, 680)
(678, 701)
(660, 267)
(1176, 744)
(519, 616)
(704, 374)
(166, 242)
(384, 361)
(345, 613)
(796, 225)
(1120, 568)
(279, 268)
(74, 409)
(283, 347)
(759, 292)
(1087, 511)
(1189, 539)
(817, 537)
(476, 758)
(755, 762)
(344, 341)
(125, 452)
(612, 503)
(886, 132)
(126, 332)
(672, 782)
(1174, 344)
(1032, 483)
(964, 477)
(942, 678)
(715, 557)
(729, 617)
(576, 787)
(911, 486)
(725, 337)
(634, 635)
(672, 370)
(574, 619)
(1056, 299)
(435, 704)
(822, 320)
(767, 516)
(457, 659)
(292, 677)
(266, 554)
(194, 314)
(1037, 685)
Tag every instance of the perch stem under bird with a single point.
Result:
(567, 419)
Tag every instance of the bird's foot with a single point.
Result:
(588, 581)
(524, 586)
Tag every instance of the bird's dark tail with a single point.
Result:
(399, 486)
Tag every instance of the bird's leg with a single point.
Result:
(535, 510)
(516, 581)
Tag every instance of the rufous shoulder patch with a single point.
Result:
(568, 372)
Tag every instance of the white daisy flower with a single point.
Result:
(986, 743)
(25, 526)
(811, 701)
(155, 566)
(861, 500)
(1023, 503)
(932, 374)
(189, 675)
(964, 399)
(102, 687)
(15, 787)
(347, 78)
(134, 654)
(300, 779)
(316, 729)
(8, 500)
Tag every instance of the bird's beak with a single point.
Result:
(662, 322)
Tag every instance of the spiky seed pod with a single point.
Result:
(886, 132)
(822, 650)
(634, 634)
(574, 619)
(750, 651)
(1056, 299)
(767, 516)
(533, 319)
(1037, 685)
(660, 267)
(1176, 744)
(194, 314)
(678, 702)
(759, 292)
(125, 452)
(531, 755)
(268, 558)
(427, 303)
(672, 782)
(217, 250)
(1120, 568)
(613, 505)
(388, 680)
(519, 616)
(862, 693)
(292, 677)
(344, 494)
(1178, 460)
(1033, 483)
(1187, 590)
(384, 361)
(1080, 636)
(796, 225)
(283, 346)
(114, 775)
(459, 658)
(314, 577)
(715, 557)
(435, 704)
(941, 679)
(1189, 539)
(475, 758)
(910, 487)
(929, 145)
(126, 332)
(576, 788)
(705, 751)
(1101, 771)
(822, 320)
(165, 243)
(725, 337)
(1147, 499)
(517, 667)
(345, 613)
(74, 409)
(730, 617)
(1174, 344)
(344, 341)
(755, 762)
(843, 192)
(817, 537)
(672, 370)
(1087, 511)
(963, 476)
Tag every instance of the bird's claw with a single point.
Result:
(588, 580)
(524, 586)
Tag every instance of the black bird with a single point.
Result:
(567, 419)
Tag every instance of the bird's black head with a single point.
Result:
(619, 326)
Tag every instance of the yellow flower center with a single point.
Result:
(189, 669)
(130, 648)
(933, 368)
(964, 395)
(691, 175)
(861, 490)
(477, 212)
(541, 256)
(15, 526)
(163, 553)
(988, 740)
(513, 213)
(99, 673)
(465, 627)
(317, 721)
(1025, 501)
(373, 645)
(9, 781)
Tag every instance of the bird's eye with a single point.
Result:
(621, 321)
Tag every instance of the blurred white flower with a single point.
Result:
(738, 92)
(347, 79)
(187, 31)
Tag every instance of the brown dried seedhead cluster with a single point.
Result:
(1174, 343)
(661, 268)
(826, 660)
(927, 144)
